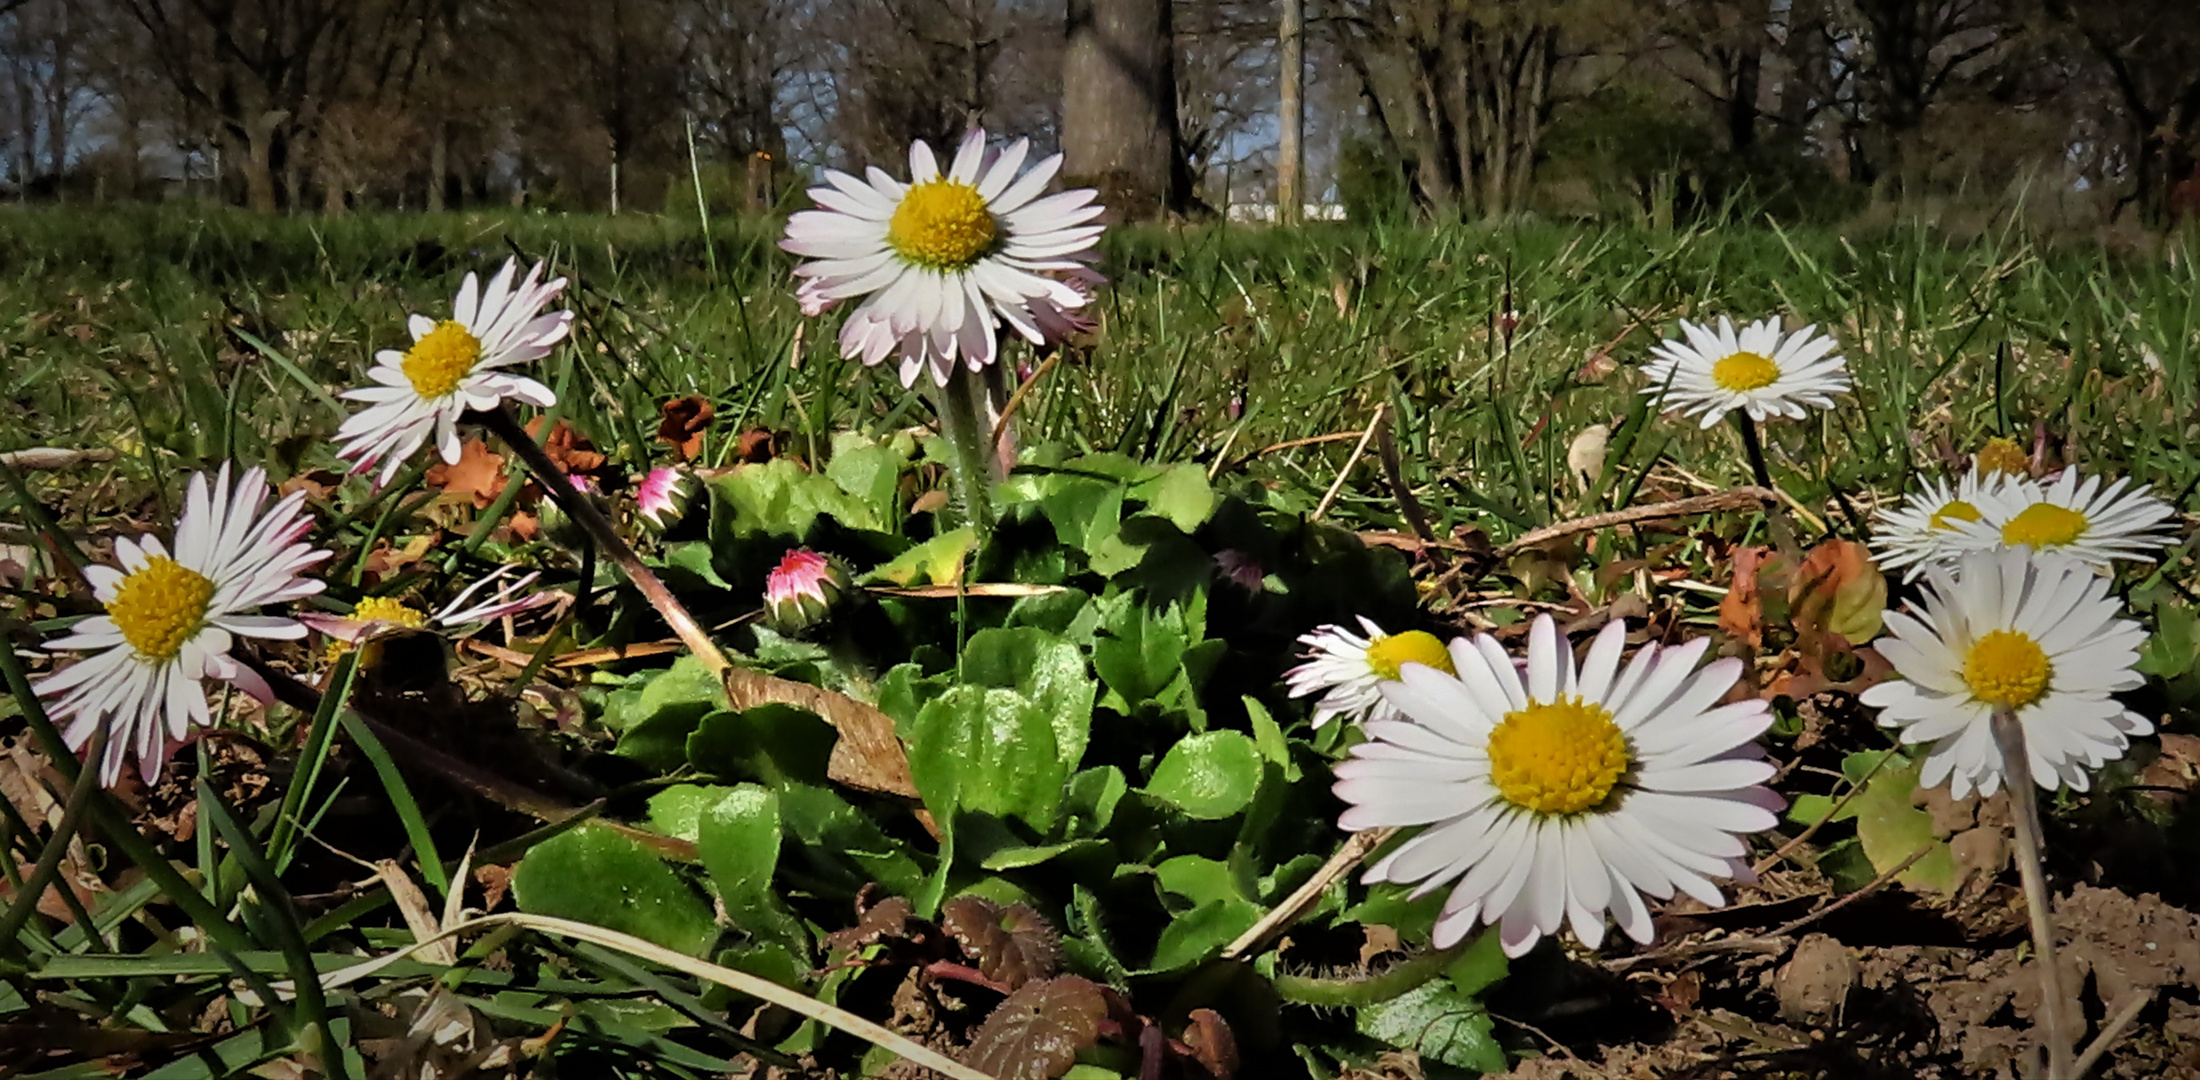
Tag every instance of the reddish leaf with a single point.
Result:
(1011, 945)
(1211, 1044)
(756, 445)
(1036, 1032)
(887, 920)
(682, 425)
(479, 474)
(1838, 590)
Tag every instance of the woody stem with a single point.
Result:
(583, 510)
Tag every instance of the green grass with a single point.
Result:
(144, 330)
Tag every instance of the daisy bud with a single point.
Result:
(663, 498)
(803, 590)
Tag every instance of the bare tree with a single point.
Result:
(1119, 110)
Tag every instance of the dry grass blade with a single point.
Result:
(1303, 897)
(1742, 498)
(1382, 413)
(754, 986)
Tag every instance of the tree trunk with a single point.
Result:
(259, 172)
(1119, 130)
(439, 164)
(1291, 111)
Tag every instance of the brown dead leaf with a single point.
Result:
(756, 445)
(2176, 770)
(494, 880)
(316, 483)
(868, 756)
(568, 447)
(682, 425)
(478, 474)
(1211, 1043)
(1838, 590)
(931, 502)
(1741, 613)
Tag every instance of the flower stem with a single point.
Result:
(1754, 448)
(1401, 978)
(963, 425)
(583, 510)
(2024, 806)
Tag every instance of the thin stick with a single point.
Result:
(2016, 773)
(1774, 941)
(1745, 498)
(1303, 897)
(583, 510)
(1769, 861)
(2137, 1001)
(1381, 411)
(1386, 449)
(1016, 399)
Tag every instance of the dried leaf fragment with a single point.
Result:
(1036, 1032)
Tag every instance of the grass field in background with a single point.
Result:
(183, 336)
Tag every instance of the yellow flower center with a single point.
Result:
(1745, 371)
(2007, 667)
(1387, 655)
(160, 606)
(1947, 516)
(2001, 455)
(941, 224)
(386, 609)
(437, 362)
(2044, 525)
(1562, 757)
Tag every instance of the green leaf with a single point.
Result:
(1019, 856)
(1482, 966)
(1201, 932)
(1089, 803)
(1269, 739)
(988, 750)
(938, 561)
(779, 497)
(694, 557)
(1083, 511)
(771, 744)
(1440, 1023)
(1209, 776)
(655, 722)
(1180, 494)
(593, 874)
(842, 846)
(869, 472)
(1142, 652)
(1198, 879)
(1809, 808)
(678, 810)
(739, 845)
(1891, 827)
(1048, 671)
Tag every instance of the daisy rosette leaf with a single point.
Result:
(454, 365)
(1928, 528)
(802, 590)
(1348, 669)
(2076, 516)
(172, 617)
(941, 261)
(1554, 795)
(2036, 634)
(1714, 371)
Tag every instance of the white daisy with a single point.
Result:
(944, 258)
(1756, 371)
(2084, 521)
(1346, 669)
(169, 619)
(454, 365)
(1928, 526)
(2037, 634)
(375, 614)
(1563, 794)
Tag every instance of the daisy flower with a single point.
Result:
(2074, 517)
(1928, 526)
(454, 365)
(2035, 634)
(1347, 669)
(375, 614)
(1558, 794)
(943, 259)
(170, 620)
(1756, 370)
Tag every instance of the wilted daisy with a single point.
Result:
(374, 614)
(2036, 634)
(944, 258)
(454, 364)
(1928, 526)
(1756, 370)
(1347, 669)
(170, 617)
(1555, 795)
(2073, 517)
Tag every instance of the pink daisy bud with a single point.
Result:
(802, 591)
(663, 498)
